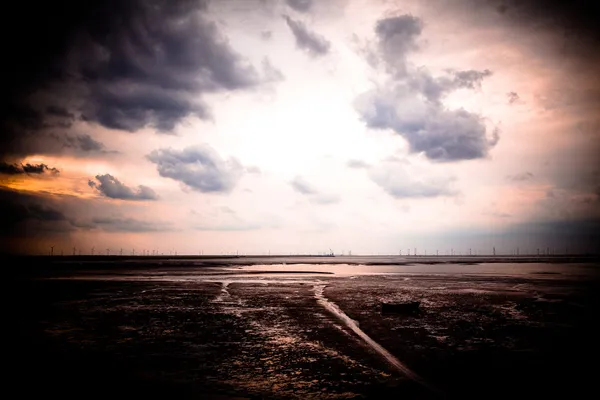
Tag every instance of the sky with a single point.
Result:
(300, 126)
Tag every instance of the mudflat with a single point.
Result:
(305, 331)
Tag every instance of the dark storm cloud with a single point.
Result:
(198, 167)
(34, 216)
(24, 213)
(59, 112)
(123, 65)
(411, 105)
(577, 235)
(82, 142)
(18, 207)
(152, 64)
(300, 5)
(55, 142)
(18, 169)
(306, 40)
(110, 186)
(38, 169)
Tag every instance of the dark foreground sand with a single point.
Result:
(213, 332)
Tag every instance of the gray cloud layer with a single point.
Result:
(306, 40)
(199, 168)
(300, 5)
(19, 209)
(25, 213)
(120, 224)
(411, 105)
(111, 187)
(18, 169)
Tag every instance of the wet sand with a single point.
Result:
(301, 331)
